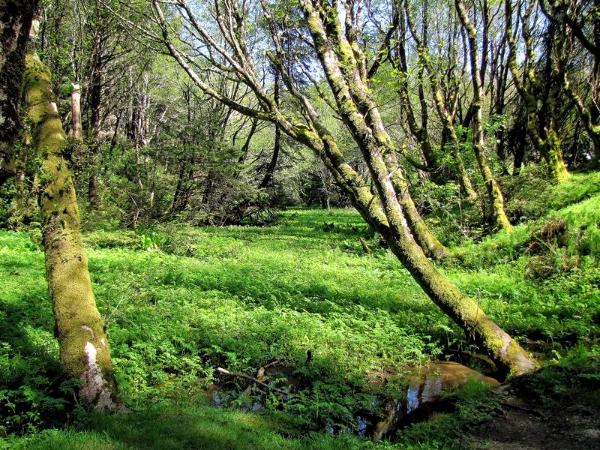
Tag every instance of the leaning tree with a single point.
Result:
(84, 349)
(221, 36)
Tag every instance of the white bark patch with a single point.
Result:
(94, 389)
(35, 29)
(92, 377)
(88, 329)
(3, 98)
(105, 402)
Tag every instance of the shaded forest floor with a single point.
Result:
(519, 426)
(181, 301)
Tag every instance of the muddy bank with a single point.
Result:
(524, 424)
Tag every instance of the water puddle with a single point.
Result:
(423, 394)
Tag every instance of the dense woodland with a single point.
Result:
(309, 223)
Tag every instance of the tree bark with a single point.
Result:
(463, 310)
(84, 349)
(463, 176)
(495, 197)
(95, 101)
(15, 22)
(268, 178)
(344, 65)
(419, 130)
(540, 121)
(370, 135)
(76, 131)
(420, 230)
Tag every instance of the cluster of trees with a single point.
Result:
(151, 147)
(213, 111)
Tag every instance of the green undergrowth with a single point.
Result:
(574, 377)
(181, 301)
(581, 237)
(542, 280)
(532, 194)
(529, 197)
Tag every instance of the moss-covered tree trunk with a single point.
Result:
(463, 310)
(345, 68)
(388, 216)
(419, 228)
(84, 349)
(503, 349)
(539, 110)
(447, 118)
(494, 193)
(554, 157)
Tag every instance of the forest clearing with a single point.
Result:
(180, 302)
(316, 224)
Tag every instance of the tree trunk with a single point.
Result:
(93, 189)
(554, 157)
(95, 100)
(248, 141)
(76, 131)
(464, 311)
(463, 176)
(540, 120)
(268, 178)
(419, 130)
(15, 21)
(178, 188)
(387, 216)
(551, 97)
(84, 349)
(420, 230)
(495, 197)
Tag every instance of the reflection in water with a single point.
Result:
(432, 388)
(362, 426)
(425, 388)
(412, 399)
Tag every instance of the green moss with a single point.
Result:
(557, 166)
(78, 321)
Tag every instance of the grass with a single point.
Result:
(562, 301)
(181, 301)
